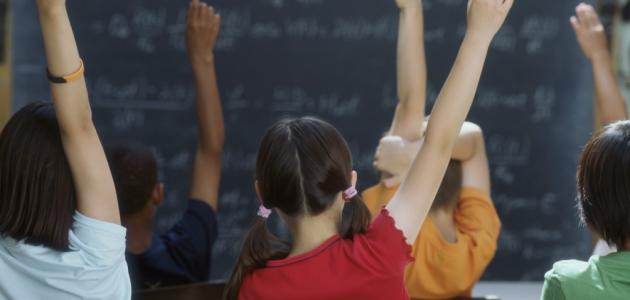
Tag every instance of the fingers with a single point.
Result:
(575, 23)
(201, 14)
(586, 16)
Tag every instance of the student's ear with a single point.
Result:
(157, 196)
(354, 178)
(258, 191)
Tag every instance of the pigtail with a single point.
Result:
(259, 246)
(359, 219)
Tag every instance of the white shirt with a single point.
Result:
(603, 249)
(94, 268)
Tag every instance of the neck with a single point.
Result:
(445, 223)
(139, 234)
(310, 232)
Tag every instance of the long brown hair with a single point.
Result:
(302, 166)
(37, 195)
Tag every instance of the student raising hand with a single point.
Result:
(60, 233)
(591, 36)
(485, 18)
(202, 31)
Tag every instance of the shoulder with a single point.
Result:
(476, 213)
(377, 196)
(200, 215)
(384, 242)
(88, 232)
(101, 243)
(568, 270)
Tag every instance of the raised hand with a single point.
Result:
(590, 32)
(485, 17)
(202, 31)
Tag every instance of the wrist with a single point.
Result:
(411, 10)
(201, 62)
(478, 38)
(47, 10)
(600, 57)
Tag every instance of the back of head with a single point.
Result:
(603, 183)
(134, 169)
(37, 195)
(450, 188)
(302, 167)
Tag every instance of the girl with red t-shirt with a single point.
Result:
(304, 172)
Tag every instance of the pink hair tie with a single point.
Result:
(264, 212)
(349, 193)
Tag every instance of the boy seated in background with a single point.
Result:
(183, 254)
(459, 239)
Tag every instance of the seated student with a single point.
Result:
(304, 172)
(463, 225)
(183, 254)
(459, 238)
(610, 103)
(602, 183)
(60, 233)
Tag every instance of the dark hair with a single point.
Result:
(603, 183)
(450, 189)
(303, 165)
(134, 169)
(37, 195)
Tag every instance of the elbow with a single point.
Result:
(213, 148)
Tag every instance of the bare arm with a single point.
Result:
(201, 35)
(485, 17)
(471, 151)
(95, 191)
(395, 155)
(592, 39)
(408, 121)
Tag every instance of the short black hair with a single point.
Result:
(134, 169)
(37, 194)
(603, 183)
(450, 189)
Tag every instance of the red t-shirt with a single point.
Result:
(368, 266)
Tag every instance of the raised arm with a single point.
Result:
(95, 191)
(395, 155)
(591, 36)
(471, 151)
(485, 17)
(408, 121)
(202, 30)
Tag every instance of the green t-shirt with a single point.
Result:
(602, 277)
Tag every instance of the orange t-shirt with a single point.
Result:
(442, 269)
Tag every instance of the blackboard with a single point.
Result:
(335, 59)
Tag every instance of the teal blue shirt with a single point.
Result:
(602, 277)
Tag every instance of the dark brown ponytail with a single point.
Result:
(259, 246)
(359, 219)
